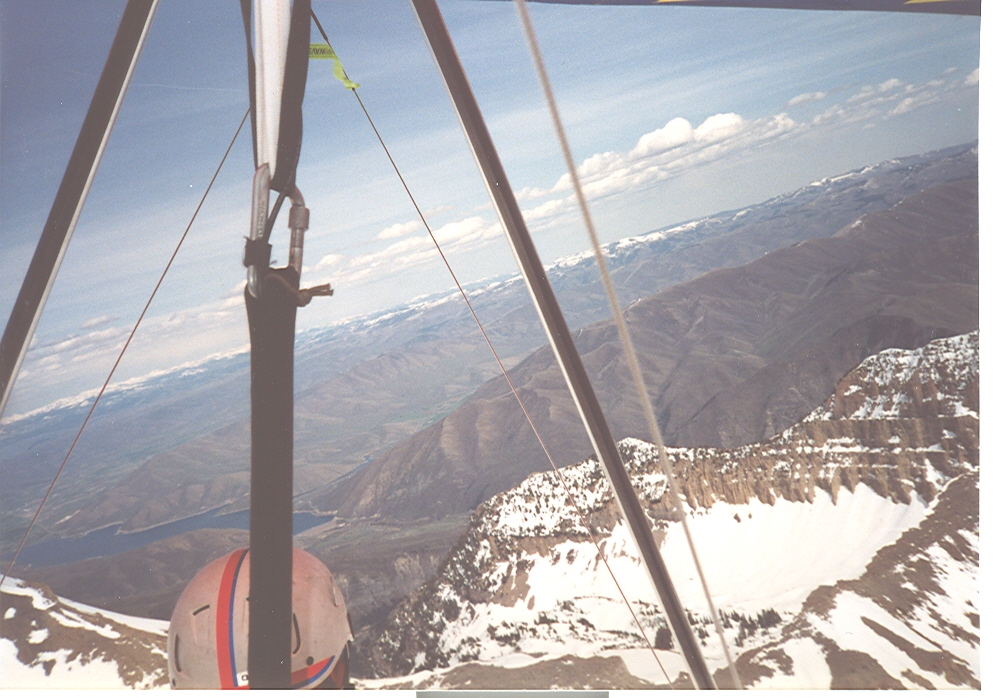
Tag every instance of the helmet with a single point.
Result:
(208, 632)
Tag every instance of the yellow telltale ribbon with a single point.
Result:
(325, 52)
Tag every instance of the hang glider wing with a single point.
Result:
(951, 7)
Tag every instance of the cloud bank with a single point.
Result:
(678, 146)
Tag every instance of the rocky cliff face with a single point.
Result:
(902, 422)
(841, 553)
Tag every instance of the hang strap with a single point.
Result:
(291, 108)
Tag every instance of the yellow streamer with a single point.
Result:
(325, 52)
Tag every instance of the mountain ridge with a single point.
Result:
(785, 327)
(386, 559)
(525, 580)
(329, 444)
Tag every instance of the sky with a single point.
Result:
(674, 113)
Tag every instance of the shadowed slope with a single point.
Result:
(730, 358)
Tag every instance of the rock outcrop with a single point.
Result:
(879, 484)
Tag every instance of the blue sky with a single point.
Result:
(674, 112)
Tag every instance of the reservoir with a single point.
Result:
(107, 541)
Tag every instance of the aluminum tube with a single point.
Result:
(100, 117)
(558, 332)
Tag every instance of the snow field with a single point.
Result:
(771, 556)
(83, 671)
(641, 664)
(150, 625)
(64, 674)
(925, 636)
(780, 553)
(960, 581)
(12, 585)
(849, 630)
(810, 669)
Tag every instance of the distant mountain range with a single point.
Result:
(369, 384)
(842, 553)
(731, 357)
(745, 322)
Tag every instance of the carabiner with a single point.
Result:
(299, 222)
(256, 249)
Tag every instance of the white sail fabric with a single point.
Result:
(272, 33)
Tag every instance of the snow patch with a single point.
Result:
(151, 625)
(61, 673)
(810, 669)
(19, 588)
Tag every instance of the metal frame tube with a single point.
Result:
(93, 136)
(557, 330)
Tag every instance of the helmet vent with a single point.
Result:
(175, 655)
(201, 609)
(296, 633)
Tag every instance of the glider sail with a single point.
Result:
(949, 7)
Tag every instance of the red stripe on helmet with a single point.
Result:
(310, 674)
(224, 631)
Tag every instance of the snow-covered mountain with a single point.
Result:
(51, 642)
(367, 384)
(843, 553)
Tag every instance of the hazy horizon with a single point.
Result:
(673, 113)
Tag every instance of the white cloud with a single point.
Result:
(463, 231)
(676, 132)
(718, 127)
(435, 210)
(82, 361)
(663, 153)
(526, 193)
(399, 230)
(544, 210)
(678, 146)
(806, 98)
(235, 301)
(97, 321)
(892, 97)
(890, 84)
(454, 237)
(904, 106)
(329, 260)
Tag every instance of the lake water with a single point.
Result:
(107, 541)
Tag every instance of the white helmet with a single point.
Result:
(208, 632)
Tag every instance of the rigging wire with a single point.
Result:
(125, 347)
(579, 512)
(619, 321)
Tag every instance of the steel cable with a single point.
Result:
(127, 343)
(622, 329)
(506, 375)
